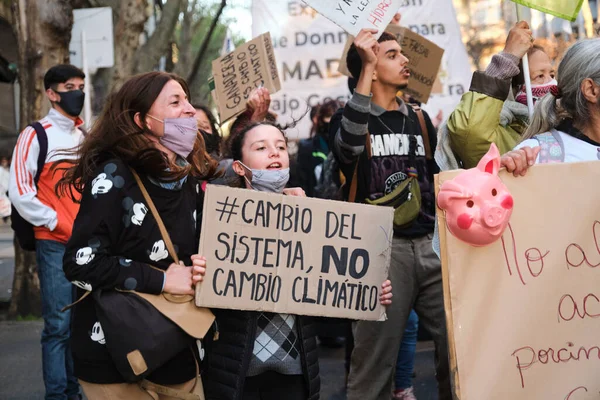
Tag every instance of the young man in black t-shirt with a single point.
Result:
(397, 150)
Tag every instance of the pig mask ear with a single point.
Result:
(490, 163)
(451, 190)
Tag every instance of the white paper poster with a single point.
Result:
(308, 47)
(353, 16)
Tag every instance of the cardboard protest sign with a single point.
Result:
(297, 255)
(236, 74)
(522, 313)
(352, 16)
(424, 60)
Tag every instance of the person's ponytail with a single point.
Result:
(545, 117)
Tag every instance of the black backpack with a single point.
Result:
(23, 229)
(329, 185)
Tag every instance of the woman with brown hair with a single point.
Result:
(148, 126)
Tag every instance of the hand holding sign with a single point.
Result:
(386, 293)
(519, 40)
(367, 47)
(199, 268)
(250, 66)
(518, 161)
(258, 104)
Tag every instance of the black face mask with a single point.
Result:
(71, 102)
(212, 142)
(323, 130)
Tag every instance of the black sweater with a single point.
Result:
(390, 133)
(115, 240)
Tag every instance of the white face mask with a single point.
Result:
(266, 180)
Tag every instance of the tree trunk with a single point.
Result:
(147, 56)
(26, 297)
(129, 18)
(199, 56)
(43, 31)
(185, 39)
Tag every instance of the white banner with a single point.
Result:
(308, 47)
(354, 17)
(436, 20)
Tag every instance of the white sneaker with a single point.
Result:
(406, 394)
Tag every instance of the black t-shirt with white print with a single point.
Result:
(115, 241)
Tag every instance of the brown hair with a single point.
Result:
(116, 135)
(237, 142)
(326, 109)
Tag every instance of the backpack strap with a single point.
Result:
(424, 130)
(553, 148)
(354, 182)
(43, 141)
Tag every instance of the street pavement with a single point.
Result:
(20, 351)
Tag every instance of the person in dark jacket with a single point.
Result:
(208, 126)
(312, 152)
(147, 127)
(240, 365)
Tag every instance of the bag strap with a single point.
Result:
(354, 182)
(166, 238)
(175, 393)
(159, 221)
(424, 131)
(42, 138)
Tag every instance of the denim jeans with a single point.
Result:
(57, 292)
(406, 355)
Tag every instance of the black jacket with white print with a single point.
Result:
(115, 241)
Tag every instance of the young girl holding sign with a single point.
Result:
(261, 355)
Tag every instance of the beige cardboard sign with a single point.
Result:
(236, 74)
(297, 255)
(523, 313)
(424, 60)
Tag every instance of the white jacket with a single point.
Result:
(40, 205)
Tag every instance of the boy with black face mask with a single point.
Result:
(31, 191)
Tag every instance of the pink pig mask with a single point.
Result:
(478, 205)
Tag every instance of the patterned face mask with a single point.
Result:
(538, 91)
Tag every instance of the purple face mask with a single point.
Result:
(179, 134)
